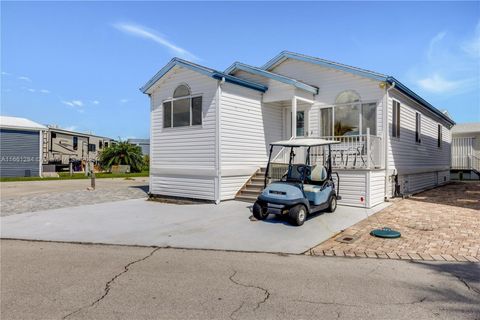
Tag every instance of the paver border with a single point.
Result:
(393, 255)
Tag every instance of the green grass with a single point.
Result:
(66, 176)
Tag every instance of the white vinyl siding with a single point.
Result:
(231, 185)
(404, 154)
(376, 187)
(246, 127)
(331, 82)
(353, 187)
(420, 165)
(182, 159)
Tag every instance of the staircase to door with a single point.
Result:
(251, 190)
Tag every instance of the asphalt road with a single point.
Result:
(41, 280)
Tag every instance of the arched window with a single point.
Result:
(183, 110)
(181, 91)
(349, 116)
(347, 96)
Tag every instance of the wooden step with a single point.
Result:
(249, 199)
(248, 191)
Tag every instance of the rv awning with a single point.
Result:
(303, 142)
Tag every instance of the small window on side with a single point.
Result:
(167, 114)
(106, 144)
(196, 111)
(418, 128)
(396, 119)
(440, 138)
(100, 144)
(92, 147)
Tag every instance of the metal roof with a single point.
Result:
(20, 124)
(303, 142)
(472, 127)
(203, 70)
(278, 77)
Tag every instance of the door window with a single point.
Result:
(300, 123)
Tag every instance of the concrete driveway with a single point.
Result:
(203, 226)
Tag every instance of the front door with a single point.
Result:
(302, 129)
(302, 123)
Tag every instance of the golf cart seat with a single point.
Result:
(318, 175)
(315, 181)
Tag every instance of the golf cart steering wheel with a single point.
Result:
(304, 170)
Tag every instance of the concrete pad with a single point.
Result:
(203, 226)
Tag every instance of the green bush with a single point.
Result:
(122, 153)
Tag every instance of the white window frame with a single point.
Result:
(359, 103)
(171, 100)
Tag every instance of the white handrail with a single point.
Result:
(279, 152)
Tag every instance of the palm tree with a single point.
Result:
(122, 153)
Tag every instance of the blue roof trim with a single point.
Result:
(404, 89)
(326, 63)
(274, 76)
(203, 70)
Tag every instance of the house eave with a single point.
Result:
(264, 73)
(203, 70)
(284, 55)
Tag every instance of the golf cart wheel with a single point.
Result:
(332, 205)
(298, 214)
(258, 212)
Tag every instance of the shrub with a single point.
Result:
(122, 153)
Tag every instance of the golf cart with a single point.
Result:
(301, 188)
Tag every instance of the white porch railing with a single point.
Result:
(353, 152)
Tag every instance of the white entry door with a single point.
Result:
(302, 123)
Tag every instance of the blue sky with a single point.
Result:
(80, 64)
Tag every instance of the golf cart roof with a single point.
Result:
(303, 142)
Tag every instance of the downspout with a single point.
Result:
(386, 135)
(218, 164)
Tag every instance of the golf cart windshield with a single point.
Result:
(295, 160)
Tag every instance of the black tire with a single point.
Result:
(258, 212)
(332, 204)
(298, 214)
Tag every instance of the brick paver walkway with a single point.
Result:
(439, 224)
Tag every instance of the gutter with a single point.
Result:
(386, 135)
(218, 163)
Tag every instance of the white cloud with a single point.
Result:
(438, 84)
(123, 100)
(146, 33)
(472, 46)
(31, 90)
(433, 43)
(77, 103)
(6, 73)
(447, 67)
(68, 103)
(44, 91)
(96, 102)
(73, 103)
(24, 78)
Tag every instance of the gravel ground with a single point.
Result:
(20, 197)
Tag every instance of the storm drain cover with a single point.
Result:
(385, 233)
(346, 238)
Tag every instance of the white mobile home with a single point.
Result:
(466, 151)
(210, 130)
